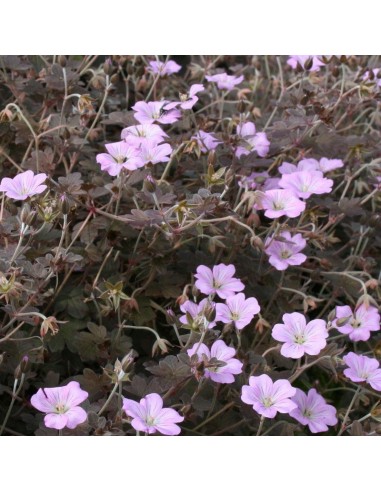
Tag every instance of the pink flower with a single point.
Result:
(61, 405)
(224, 81)
(269, 398)
(206, 141)
(301, 59)
(324, 165)
(313, 411)
(306, 183)
(120, 156)
(359, 324)
(197, 313)
(238, 310)
(190, 99)
(367, 76)
(219, 363)
(149, 415)
(138, 134)
(151, 153)
(168, 68)
(253, 181)
(277, 203)
(286, 252)
(155, 111)
(251, 140)
(363, 369)
(218, 281)
(300, 337)
(23, 185)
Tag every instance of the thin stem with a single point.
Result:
(343, 428)
(260, 425)
(116, 385)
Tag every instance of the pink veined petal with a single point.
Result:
(374, 379)
(168, 416)
(75, 416)
(220, 377)
(134, 409)
(202, 349)
(74, 394)
(292, 350)
(142, 426)
(223, 313)
(56, 420)
(282, 389)
(40, 402)
(281, 333)
(248, 396)
(168, 429)
(221, 351)
(153, 404)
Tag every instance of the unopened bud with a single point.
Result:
(27, 215)
(171, 317)
(212, 159)
(108, 67)
(115, 78)
(210, 311)
(64, 204)
(149, 184)
(22, 368)
(308, 64)
(343, 321)
(62, 60)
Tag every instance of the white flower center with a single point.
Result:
(299, 339)
(267, 402)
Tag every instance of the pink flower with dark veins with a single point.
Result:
(251, 140)
(219, 363)
(154, 154)
(277, 203)
(164, 68)
(301, 59)
(269, 398)
(306, 183)
(121, 155)
(156, 111)
(358, 324)
(225, 81)
(206, 141)
(313, 410)
(218, 281)
(138, 134)
(362, 369)
(238, 310)
(61, 405)
(285, 250)
(23, 185)
(149, 415)
(300, 337)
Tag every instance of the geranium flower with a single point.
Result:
(367, 76)
(149, 415)
(358, 324)
(197, 313)
(23, 185)
(163, 68)
(363, 369)
(218, 281)
(120, 156)
(61, 405)
(219, 364)
(190, 99)
(277, 203)
(238, 310)
(301, 59)
(138, 134)
(151, 153)
(306, 183)
(324, 165)
(225, 81)
(285, 253)
(155, 111)
(251, 140)
(269, 398)
(206, 141)
(312, 410)
(300, 337)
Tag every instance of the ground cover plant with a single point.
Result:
(190, 245)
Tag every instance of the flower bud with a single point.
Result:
(171, 317)
(149, 184)
(308, 64)
(27, 215)
(108, 67)
(22, 368)
(62, 60)
(212, 159)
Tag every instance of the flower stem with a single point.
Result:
(14, 397)
(116, 385)
(260, 426)
(343, 427)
